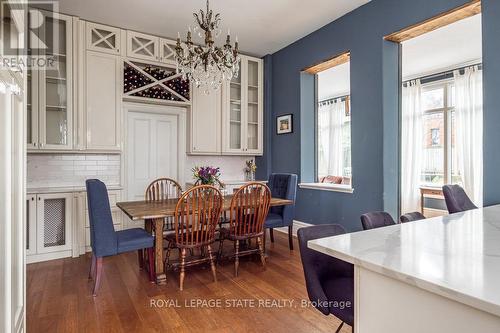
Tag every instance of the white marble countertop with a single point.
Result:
(455, 256)
(65, 189)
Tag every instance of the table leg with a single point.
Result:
(161, 277)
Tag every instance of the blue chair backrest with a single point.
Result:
(284, 186)
(102, 233)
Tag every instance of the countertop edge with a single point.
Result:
(426, 285)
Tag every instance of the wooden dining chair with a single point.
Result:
(248, 211)
(163, 189)
(195, 219)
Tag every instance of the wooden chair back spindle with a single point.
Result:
(196, 216)
(249, 208)
(163, 189)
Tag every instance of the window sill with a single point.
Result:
(327, 187)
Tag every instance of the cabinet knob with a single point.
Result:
(32, 198)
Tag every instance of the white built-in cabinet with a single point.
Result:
(57, 224)
(49, 226)
(205, 123)
(142, 46)
(242, 110)
(50, 86)
(102, 38)
(103, 120)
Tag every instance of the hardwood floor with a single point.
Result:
(59, 297)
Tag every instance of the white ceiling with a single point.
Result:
(441, 49)
(334, 82)
(262, 26)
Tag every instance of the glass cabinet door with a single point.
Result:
(253, 105)
(32, 92)
(55, 84)
(235, 119)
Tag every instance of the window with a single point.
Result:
(333, 135)
(440, 160)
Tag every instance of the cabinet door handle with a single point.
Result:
(32, 198)
(39, 198)
(34, 144)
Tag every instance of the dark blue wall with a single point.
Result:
(374, 92)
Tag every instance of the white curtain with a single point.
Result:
(330, 119)
(411, 147)
(469, 131)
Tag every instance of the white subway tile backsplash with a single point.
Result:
(57, 170)
(96, 157)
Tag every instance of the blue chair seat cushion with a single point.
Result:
(134, 239)
(339, 291)
(274, 220)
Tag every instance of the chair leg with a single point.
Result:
(98, 274)
(271, 235)
(92, 267)
(219, 253)
(236, 257)
(340, 327)
(183, 269)
(140, 255)
(290, 236)
(212, 262)
(261, 250)
(151, 261)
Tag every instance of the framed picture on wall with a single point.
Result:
(284, 124)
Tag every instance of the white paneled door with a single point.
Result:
(152, 150)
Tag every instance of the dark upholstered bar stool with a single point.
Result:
(376, 220)
(413, 216)
(328, 279)
(105, 241)
(456, 199)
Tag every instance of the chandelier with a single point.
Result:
(207, 65)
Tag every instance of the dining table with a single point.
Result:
(154, 214)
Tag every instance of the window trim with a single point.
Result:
(328, 187)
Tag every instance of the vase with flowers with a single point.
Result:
(250, 169)
(207, 175)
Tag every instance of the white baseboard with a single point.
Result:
(48, 256)
(296, 226)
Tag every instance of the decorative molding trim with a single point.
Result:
(469, 9)
(329, 63)
(327, 187)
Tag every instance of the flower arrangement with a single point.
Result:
(250, 169)
(207, 176)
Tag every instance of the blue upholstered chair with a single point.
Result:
(376, 220)
(105, 241)
(329, 280)
(410, 217)
(456, 199)
(284, 186)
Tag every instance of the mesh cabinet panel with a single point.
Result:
(54, 220)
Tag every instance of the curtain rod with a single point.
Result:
(343, 97)
(441, 75)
